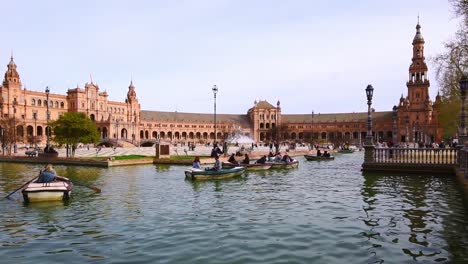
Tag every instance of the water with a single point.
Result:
(322, 212)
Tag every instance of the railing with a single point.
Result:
(446, 156)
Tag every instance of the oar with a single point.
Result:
(96, 189)
(8, 196)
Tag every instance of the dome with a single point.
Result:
(418, 38)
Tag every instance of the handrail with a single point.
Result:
(446, 156)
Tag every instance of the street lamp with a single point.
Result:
(369, 93)
(463, 88)
(312, 128)
(117, 132)
(35, 130)
(15, 148)
(395, 116)
(215, 91)
(47, 91)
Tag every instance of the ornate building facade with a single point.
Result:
(414, 119)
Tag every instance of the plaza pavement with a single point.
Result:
(200, 150)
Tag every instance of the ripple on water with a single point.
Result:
(322, 212)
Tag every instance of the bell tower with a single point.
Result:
(10, 90)
(12, 78)
(418, 83)
(133, 106)
(416, 115)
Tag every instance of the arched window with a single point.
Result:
(62, 105)
(39, 102)
(33, 102)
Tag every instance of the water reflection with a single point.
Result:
(217, 184)
(318, 213)
(404, 210)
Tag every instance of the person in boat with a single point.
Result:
(196, 163)
(278, 157)
(217, 165)
(271, 156)
(319, 153)
(326, 154)
(47, 175)
(346, 146)
(262, 160)
(246, 159)
(232, 159)
(286, 158)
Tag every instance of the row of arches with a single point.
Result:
(164, 135)
(51, 103)
(267, 125)
(336, 135)
(20, 131)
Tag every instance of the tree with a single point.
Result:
(8, 136)
(451, 65)
(73, 128)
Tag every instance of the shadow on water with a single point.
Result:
(216, 183)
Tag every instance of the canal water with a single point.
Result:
(322, 212)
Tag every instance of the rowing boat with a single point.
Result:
(200, 174)
(50, 191)
(313, 157)
(284, 165)
(249, 167)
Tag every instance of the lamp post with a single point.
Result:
(15, 148)
(215, 91)
(47, 91)
(463, 87)
(117, 132)
(369, 93)
(35, 130)
(394, 116)
(312, 128)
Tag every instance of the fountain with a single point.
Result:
(237, 137)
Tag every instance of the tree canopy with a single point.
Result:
(73, 128)
(451, 65)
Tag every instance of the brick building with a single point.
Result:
(413, 119)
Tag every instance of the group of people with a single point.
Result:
(216, 167)
(232, 159)
(325, 153)
(279, 158)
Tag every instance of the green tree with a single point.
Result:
(73, 128)
(451, 65)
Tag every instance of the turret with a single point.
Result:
(12, 77)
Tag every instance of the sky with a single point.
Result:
(311, 55)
